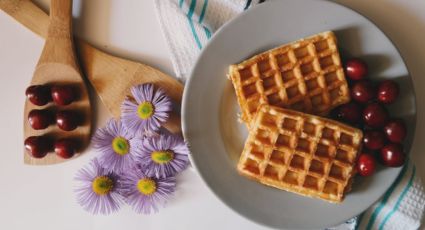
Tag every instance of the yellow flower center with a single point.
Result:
(146, 186)
(102, 185)
(162, 157)
(145, 110)
(120, 145)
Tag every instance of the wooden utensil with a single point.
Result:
(110, 76)
(57, 66)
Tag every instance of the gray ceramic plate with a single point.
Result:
(210, 109)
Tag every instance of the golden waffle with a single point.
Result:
(300, 153)
(305, 75)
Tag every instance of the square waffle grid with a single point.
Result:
(301, 153)
(305, 75)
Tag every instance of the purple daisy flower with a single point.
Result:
(162, 156)
(151, 109)
(99, 189)
(145, 194)
(117, 146)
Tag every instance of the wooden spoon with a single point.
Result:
(58, 66)
(110, 76)
(95, 63)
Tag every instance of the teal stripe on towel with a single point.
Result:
(204, 9)
(191, 9)
(192, 26)
(397, 204)
(201, 18)
(386, 197)
(359, 220)
(180, 3)
(207, 32)
(248, 3)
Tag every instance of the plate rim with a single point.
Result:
(185, 105)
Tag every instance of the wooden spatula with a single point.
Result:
(110, 76)
(57, 66)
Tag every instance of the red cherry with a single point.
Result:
(374, 140)
(363, 91)
(39, 119)
(392, 155)
(396, 130)
(366, 164)
(388, 91)
(38, 146)
(350, 112)
(356, 69)
(38, 94)
(65, 148)
(67, 120)
(63, 94)
(375, 115)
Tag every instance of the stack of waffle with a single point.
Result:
(288, 147)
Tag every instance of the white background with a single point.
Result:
(42, 197)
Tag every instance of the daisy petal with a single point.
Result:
(146, 199)
(162, 156)
(103, 141)
(151, 109)
(92, 202)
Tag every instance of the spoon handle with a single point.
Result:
(59, 47)
(28, 14)
(60, 19)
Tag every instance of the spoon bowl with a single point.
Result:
(58, 66)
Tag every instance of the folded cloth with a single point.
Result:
(188, 25)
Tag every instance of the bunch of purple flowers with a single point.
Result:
(138, 162)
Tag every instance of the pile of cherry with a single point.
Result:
(383, 135)
(66, 120)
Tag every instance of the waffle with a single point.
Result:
(300, 153)
(305, 75)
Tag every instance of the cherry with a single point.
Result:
(363, 91)
(375, 115)
(38, 94)
(366, 164)
(396, 130)
(374, 140)
(350, 112)
(40, 119)
(67, 120)
(356, 69)
(63, 94)
(388, 91)
(38, 146)
(392, 155)
(65, 148)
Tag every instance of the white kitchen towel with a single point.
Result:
(188, 25)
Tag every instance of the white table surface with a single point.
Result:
(42, 197)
